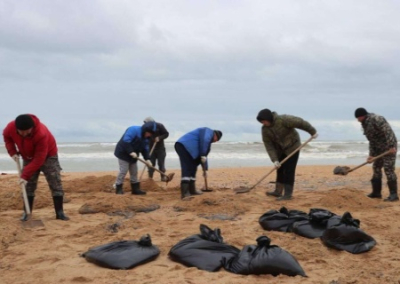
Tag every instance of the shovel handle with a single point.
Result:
(372, 160)
(144, 162)
(23, 189)
(204, 175)
(151, 152)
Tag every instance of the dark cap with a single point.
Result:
(265, 114)
(218, 133)
(24, 122)
(360, 112)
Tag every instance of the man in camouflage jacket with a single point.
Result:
(280, 139)
(381, 139)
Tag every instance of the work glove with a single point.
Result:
(133, 155)
(148, 163)
(277, 164)
(22, 181)
(157, 139)
(315, 136)
(15, 157)
(203, 159)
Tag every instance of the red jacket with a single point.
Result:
(35, 148)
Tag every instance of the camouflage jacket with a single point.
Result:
(379, 134)
(281, 137)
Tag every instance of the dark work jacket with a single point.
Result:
(162, 133)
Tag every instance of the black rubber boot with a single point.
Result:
(278, 190)
(185, 189)
(58, 207)
(393, 191)
(118, 189)
(136, 189)
(288, 192)
(30, 202)
(376, 188)
(192, 188)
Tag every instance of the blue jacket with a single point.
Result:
(133, 141)
(198, 142)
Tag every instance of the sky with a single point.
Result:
(91, 68)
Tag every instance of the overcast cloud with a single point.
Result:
(89, 69)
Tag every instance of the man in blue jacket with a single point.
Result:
(133, 142)
(192, 149)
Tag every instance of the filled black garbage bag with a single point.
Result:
(204, 251)
(315, 226)
(346, 235)
(123, 254)
(281, 220)
(264, 258)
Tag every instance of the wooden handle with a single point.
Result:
(23, 189)
(151, 152)
(373, 159)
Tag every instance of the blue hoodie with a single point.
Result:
(198, 142)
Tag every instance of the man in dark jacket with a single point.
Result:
(381, 139)
(133, 142)
(27, 137)
(192, 149)
(157, 141)
(280, 139)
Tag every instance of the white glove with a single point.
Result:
(133, 155)
(15, 157)
(22, 181)
(315, 136)
(205, 174)
(277, 164)
(203, 159)
(149, 163)
(157, 139)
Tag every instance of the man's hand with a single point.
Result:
(133, 155)
(157, 139)
(277, 164)
(15, 157)
(149, 163)
(393, 150)
(369, 159)
(203, 159)
(22, 181)
(315, 136)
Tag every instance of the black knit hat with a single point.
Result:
(218, 133)
(265, 114)
(360, 112)
(24, 122)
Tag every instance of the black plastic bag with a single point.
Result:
(315, 226)
(281, 220)
(264, 258)
(204, 251)
(346, 235)
(123, 254)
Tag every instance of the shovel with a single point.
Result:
(144, 168)
(29, 223)
(345, 170)
(243, 189)
(169, 177)
(206, 189)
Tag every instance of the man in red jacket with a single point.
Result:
(27, 137)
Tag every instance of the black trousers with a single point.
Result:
(188, 164)
(286, 173)
(158, 157)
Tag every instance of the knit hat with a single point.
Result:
(148, 119)
(24, 122)
(218, 133)
(360, 112)
(265, 114)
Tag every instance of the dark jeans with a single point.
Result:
(188, 164)
(286, 173)
(158, 156)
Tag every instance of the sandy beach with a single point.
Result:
(52, 254)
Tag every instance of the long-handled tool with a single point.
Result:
(169, 177)
(29, 223)
(245, 189)
(151, 152)
(206, 189)
(345, 170)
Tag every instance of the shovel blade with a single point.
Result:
(341, 170)
(32, 223)
(241, 189)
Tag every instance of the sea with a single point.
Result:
(99, 156)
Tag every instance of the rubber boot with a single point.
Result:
(185, 189)
(30, 202)
(376, 188)
(136, 189)
(278, 190)
(192, 188)
(393, 191)
(58, 207)
(118, 189)
(288, 192)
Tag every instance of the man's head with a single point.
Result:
(24, 124)
(265, 117)
(217, 135)
(148, 119)
(360, 114)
